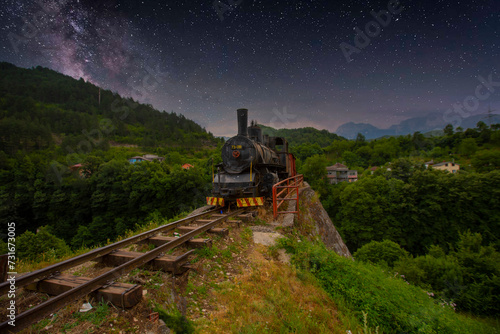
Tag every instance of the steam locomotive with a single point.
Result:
(251, 164)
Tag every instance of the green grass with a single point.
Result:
(155, 281)
(271, 298)
(175, 320)
(97, 316)
(389, 302)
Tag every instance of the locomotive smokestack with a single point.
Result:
(242, 122)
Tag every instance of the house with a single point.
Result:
(152, 157)
(373, 169)
(447, 166)
(76, 167)
(187, 166)
(341, 173)
(79, 168)
(146, 157)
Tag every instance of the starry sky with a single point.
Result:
(317, 63)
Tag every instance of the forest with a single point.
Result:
(41, 108)
(440, 230)
(410, 203)
(50, 122)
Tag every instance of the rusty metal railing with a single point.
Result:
(280, 196)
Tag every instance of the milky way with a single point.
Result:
(292, 63)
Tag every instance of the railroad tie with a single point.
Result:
(167, 263)
(123, 294)
(216, 230)
(194, 243)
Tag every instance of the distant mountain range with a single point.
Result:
(427, 123)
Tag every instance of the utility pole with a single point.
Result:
(490, 114)
(99, 97)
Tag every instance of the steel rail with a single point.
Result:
(38, 312)
(74, 261)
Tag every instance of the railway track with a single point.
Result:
(123, 261)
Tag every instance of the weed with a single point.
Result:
(40, 325)
(366, 329)
(272, 251)
(175, 320)
(207, 252)
(246, 236)
(95, 316)
(226, 254)
(155, 281)
(135, 272)
(258, 221)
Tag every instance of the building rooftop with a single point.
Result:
(444, 163)
(337, 166)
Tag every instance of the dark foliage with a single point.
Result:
(49, 122)
(40, 107)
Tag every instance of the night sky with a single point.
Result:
(291, 63)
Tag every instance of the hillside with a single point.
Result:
(40, 108)
(301, 136)
(304, 142)
(64, 158)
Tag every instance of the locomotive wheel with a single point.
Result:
(236, 154)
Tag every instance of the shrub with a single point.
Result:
(391, 303)
(441, 275)
(38, 246)
(467, 276)
(380, 252)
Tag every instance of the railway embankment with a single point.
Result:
(296, 275)
(263, 276)
(313, 222)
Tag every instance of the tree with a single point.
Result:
(402, 169)
(371, 209)
(437, 152)
(314, 170)
(306, 150)
(467, 275)
(481, 126)
(485, 161)
(352, 159)
(384, 252)
(448, 130)
(360, 140)
(467, 147)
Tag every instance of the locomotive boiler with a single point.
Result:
(251, 164)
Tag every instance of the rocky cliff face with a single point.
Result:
(323, 225)
(314, 222)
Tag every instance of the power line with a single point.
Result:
(490, 114)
